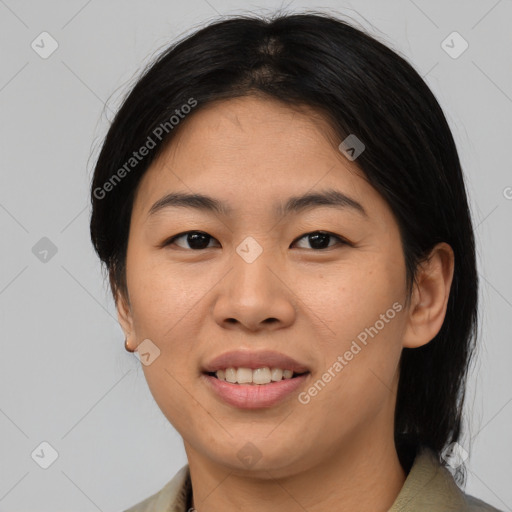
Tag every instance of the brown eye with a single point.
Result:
(320, 240)
(196, 240)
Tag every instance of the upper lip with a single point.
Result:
(253, 360)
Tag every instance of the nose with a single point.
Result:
(255, 296)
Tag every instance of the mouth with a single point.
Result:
(255, 396)
(255, 377)
(247, 379)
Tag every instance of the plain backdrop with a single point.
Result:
(65, 378)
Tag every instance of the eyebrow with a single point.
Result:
(294, 204)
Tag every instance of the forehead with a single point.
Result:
(251, 149)
(253, 123)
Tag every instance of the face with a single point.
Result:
(322, 284)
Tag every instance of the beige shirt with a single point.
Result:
(429, 487)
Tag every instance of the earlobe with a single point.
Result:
(430, 297)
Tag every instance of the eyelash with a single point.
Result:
(341, 241)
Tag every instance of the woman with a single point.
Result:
(282, 213)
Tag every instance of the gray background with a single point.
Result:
(65, 377)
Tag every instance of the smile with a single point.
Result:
(248, 379)
(251, 395)
(258, 376)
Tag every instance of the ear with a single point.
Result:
(430, 297)
(124, 315)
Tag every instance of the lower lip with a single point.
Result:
(254, 396)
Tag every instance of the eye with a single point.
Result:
(196, 240)
(320, 239)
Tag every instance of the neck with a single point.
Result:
(364, 476)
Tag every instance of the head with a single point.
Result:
(252, 113)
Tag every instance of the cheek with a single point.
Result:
(162, 297)
(344, 299)
(358, 312)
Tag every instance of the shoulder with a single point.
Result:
(475, 505)
(171, 498)
(430, 487)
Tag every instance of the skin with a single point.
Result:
(337, 452)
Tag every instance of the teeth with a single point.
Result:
(248, 376)
(261, 376)
(277, 374)
(244, 375)
(230, 374)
